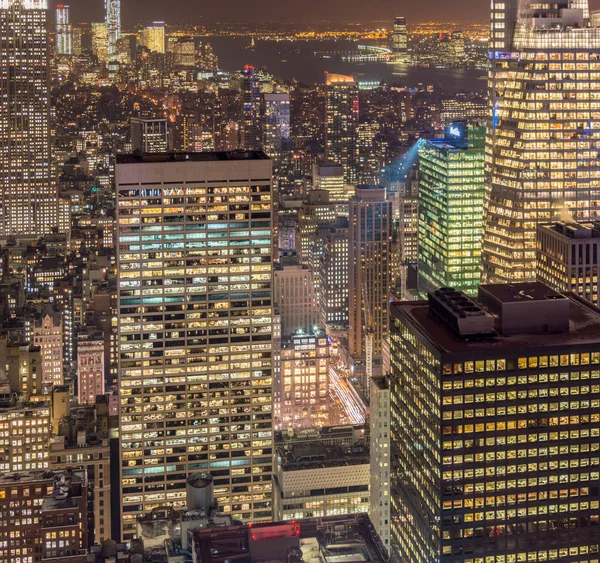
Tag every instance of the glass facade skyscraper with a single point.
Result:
(113, 25)
(451, 192)
(400, 40)
(29, 193)
(64, 32)
(542, 146)
(195, 321)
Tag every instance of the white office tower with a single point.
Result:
(195, 329)
(64, 32)
(29, 194)
(379, 511)
(543, 142)
(113, 25)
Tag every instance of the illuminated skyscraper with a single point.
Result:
(341, 113)
(369, 271)
(195, 321)
(64, 32)
(276, 125)
(113, 26)
(149, 135)
(542, 146)
(100, 41)
(400, 40)
(252, 139)
(153, 37)
(29, 194)
(494, 425)
(329, 176)
(451, 190)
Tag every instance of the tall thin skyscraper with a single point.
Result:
(400, 40)
(542, 146)
(29, 195)
(100, 41)
(113, 24)
(195, 322)
(276, 125)
(369, 269)
(64, 33)
(252, 139)
(341, 113)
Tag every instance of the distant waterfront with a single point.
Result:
(296, 60)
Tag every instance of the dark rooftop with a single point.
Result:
(190, 156)
(584, 328)
(533, 291)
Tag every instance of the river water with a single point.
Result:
(289, 60)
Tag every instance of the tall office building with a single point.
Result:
(113, 27)
(541, 148)
(64, 32)
(251, 130)
(195, 321)
(370, 231)
(329, 176)
(149, 134)
(400, 40)
(567, 257)
(304, 380)
(153, 37)
(29, 192)
(451, 193)
(341, 123)
(494, 429)
(333, 274)
(379, 409)
(276, 125)
(295, 295)
(100, 41)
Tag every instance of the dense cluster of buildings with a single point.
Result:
(255, 320)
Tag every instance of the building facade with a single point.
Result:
(64, 31)
(295, 295)
(567, 257)
(195, 317)
(341, 123)
(450, 203)
(90, 367)
(370, 230)
(379, 428)
(494, 449)
(400, 40)
(251, 126)
(276, 126)
(539, 158)
(113, 27)
(149, 135)
(29, 203)
(153, 37)
(304, 380)
(44, 516)
(329, 176)
(333, 274)
(322, 472)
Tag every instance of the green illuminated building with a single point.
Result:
(451, 192)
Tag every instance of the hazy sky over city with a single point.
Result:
(196, 11)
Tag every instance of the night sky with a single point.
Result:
(197, 11)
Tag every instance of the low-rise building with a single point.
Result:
(322, 472)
